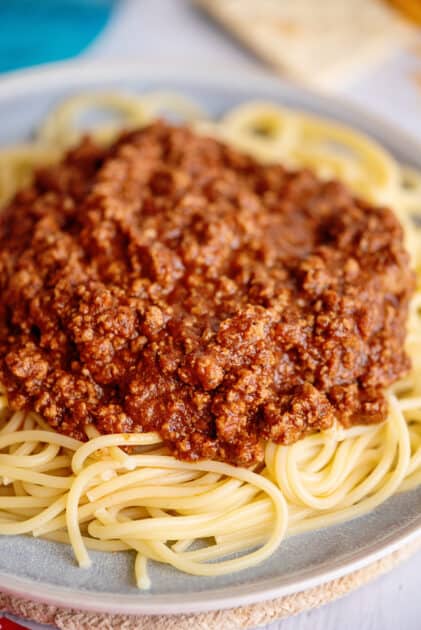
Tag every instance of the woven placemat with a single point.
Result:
(242, 618)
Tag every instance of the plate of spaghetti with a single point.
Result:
(210, 336)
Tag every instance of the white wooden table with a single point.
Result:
(173, 31)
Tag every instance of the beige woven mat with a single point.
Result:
(241, 618)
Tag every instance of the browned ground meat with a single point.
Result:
(171, 283)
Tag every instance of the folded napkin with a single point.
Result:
(39, 31)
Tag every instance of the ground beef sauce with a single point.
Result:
(171, 283)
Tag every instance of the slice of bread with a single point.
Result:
(319, 42)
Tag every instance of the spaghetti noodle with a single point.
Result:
(211, 518)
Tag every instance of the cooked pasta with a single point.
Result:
(125, 491)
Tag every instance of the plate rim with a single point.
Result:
(81, 73)
(202, 601)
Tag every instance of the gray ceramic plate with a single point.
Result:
(46, 571)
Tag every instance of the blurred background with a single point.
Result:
(368, 50)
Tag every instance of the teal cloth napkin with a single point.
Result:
(40, 31)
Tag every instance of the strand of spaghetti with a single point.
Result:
(60, 462)
(217, 551)
(261, 531)
(411, 482)
(18, 489)
(115, 452)
(38, 436)
(141, 572)
(60, 128)
(415, 461)
(182, 545)
(14, 423)
(185, 494)
(22, 514)
(17, 164)
(41, 491)
(41, 423)
(199, 503)
(22, 474)
(323, 457)
(60, 522)
(106, 441)
(31, 461)
(384, 480)
(23, 501)
(7, 517)
(81, 481)
(141, 566)
(267, 131)
(26, 526)
(90, 543)
(25, 448)
(144, 548)
(157, 103)
(327, 164)
(141, 476)
(409, 404)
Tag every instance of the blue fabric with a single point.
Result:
(39, 31)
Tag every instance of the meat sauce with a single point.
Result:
(172, 283)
